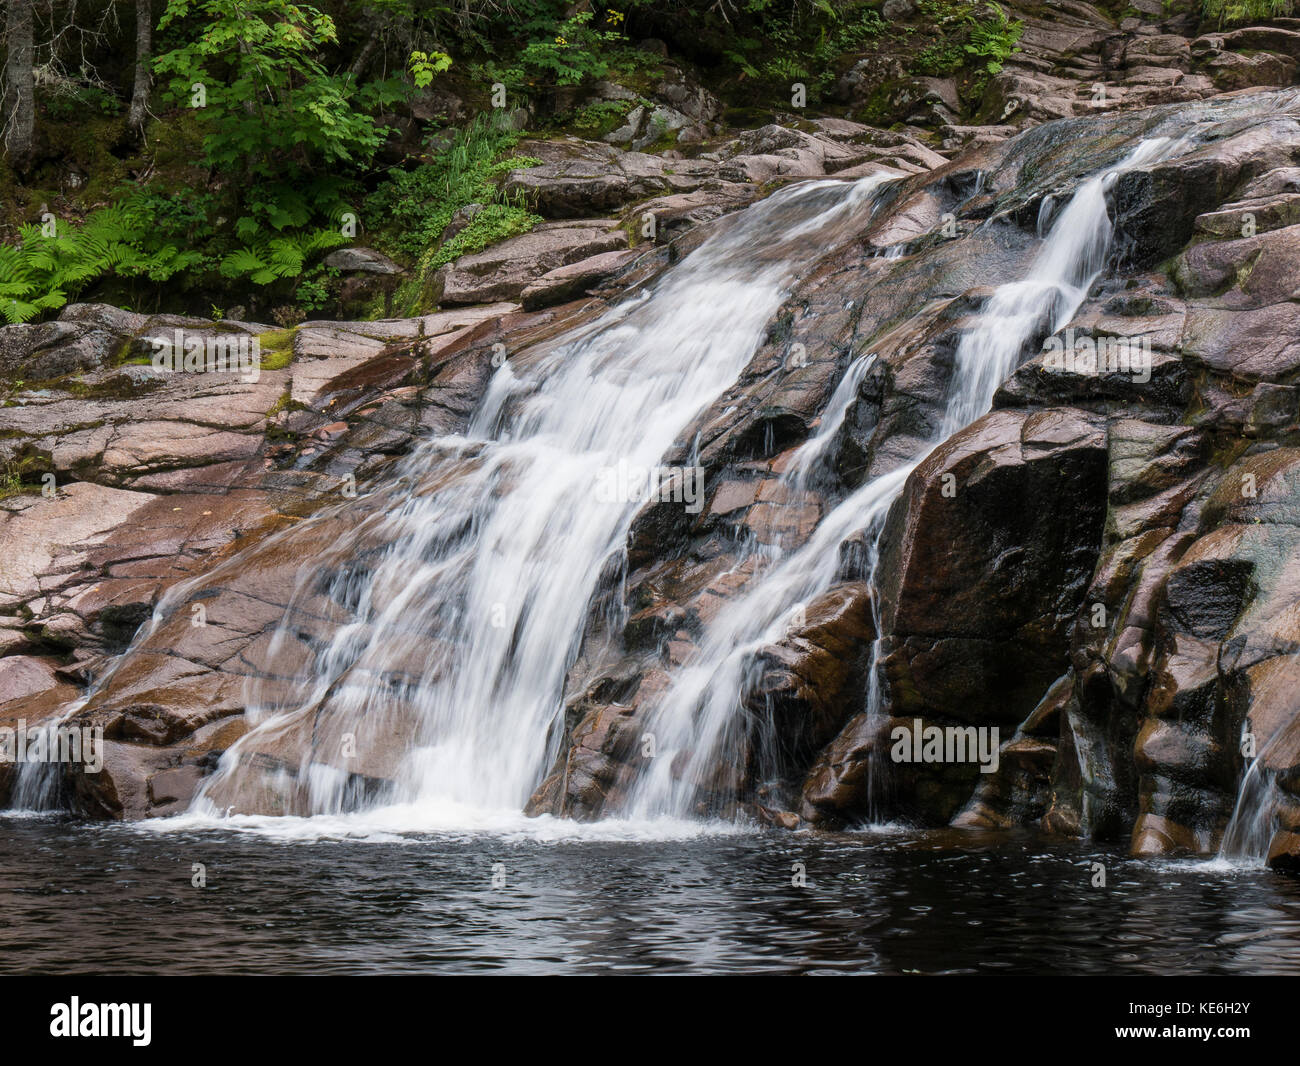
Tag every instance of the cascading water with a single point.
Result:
(1249, 831)
(481, 567)
(698, 723)
(1254, 819)
(807, 457)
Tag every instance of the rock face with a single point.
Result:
(575, 279)
(1102, 568)
(153, 477)
(505, 270)
(981, 581)
(1088, 588)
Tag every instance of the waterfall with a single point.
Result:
(465, 585)
(1254, 819)
(38, 784)
(698, 723)
(809, 456)
(1254, 816)
(474, 577)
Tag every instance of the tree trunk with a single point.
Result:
(363, 57)
(143, 45)
(20, 90)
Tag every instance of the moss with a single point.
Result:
(117, 387)
(878, 108)
(594, 120)
(11, 477)
(277, 348)
(285, 402)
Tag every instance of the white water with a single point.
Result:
(1254, 818)
(699, 724)
(808, 456)
(487, 581)
(484, 578)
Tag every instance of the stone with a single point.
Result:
(574, 280)
(361, 261)
(505, 270)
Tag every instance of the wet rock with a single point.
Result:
(672, 216)
(1020, 791)
(580, 178)
(505, 270)
(574, 280)
(361, 261)
(25, 675)
(1157, 205)
(810, 682)
(979, 591)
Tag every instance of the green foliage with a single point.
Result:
(272, 114)
(563, 48)
(494, 223)
(418, 204)
(146, 235)
(1227, 11)
(277, 257)
(53, 261)
(313, 292)
(973, 35)
(779, 42)
(11, 478)
(600, 117)
(939, 59)
(70, 101)
(993, 39)
(425, 66)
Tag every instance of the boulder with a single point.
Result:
(361, 261)
(574, 280)
(505, 270)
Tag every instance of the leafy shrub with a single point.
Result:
(994, 39)
(561, 51)
(1247, 10)
(419, 203)
(284, 256)
(272, 114)
(54, 261)
(977, 36)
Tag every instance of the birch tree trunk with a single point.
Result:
(20, 89)
(143, 47)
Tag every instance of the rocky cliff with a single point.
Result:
(1104, 566)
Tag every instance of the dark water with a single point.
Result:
(113, 899)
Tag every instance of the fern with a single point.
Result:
(278, 257)
(40, 272)
(50, 265)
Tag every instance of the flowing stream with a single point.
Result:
(697, 725)
(486, 582)
(473, 578)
